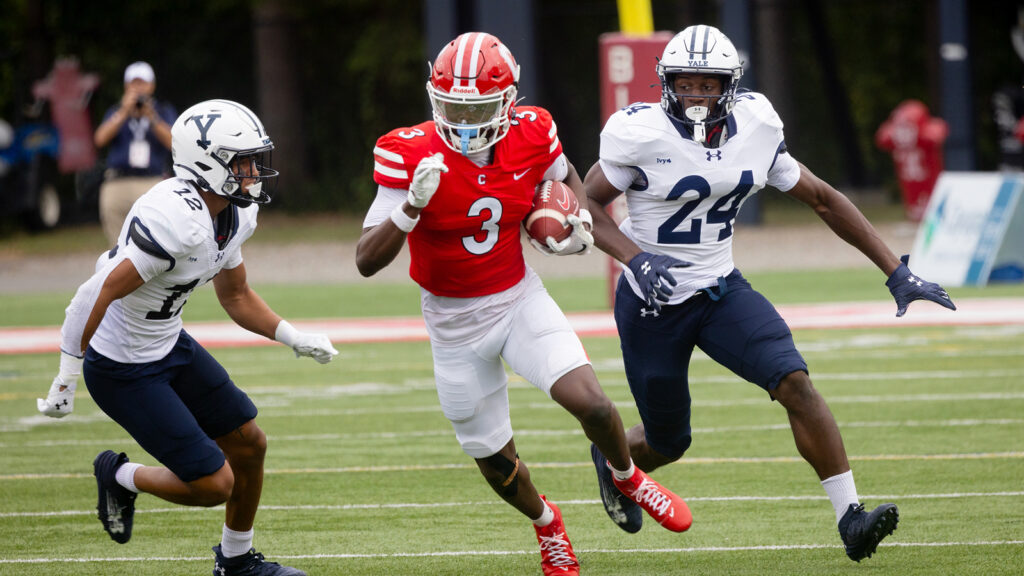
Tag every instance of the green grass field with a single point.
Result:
(365, 477)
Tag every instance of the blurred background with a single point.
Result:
(330, 76)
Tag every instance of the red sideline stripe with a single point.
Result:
(970, 312)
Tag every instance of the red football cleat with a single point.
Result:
(668, 509)
(557, 558)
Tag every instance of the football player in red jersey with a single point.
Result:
(458, 188)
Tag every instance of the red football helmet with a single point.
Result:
(472, 90)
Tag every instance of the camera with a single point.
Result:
(141, 101)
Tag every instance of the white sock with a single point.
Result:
(620, 475)
(842, 492)
(125, 475)
(546, 517)
(233, 543)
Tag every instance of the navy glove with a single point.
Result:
(906, 287)
(652, 275)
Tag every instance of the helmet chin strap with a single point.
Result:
(698, 114)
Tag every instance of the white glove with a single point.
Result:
(580, 241)
(542, 248)
(60, 401)
(425, 180)
(317, 346)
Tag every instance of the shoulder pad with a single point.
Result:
(627, 129)
(397, 153)
(755, 107)
(140, 235)
(168, 222)
(536, 131)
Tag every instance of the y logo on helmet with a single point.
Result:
(203, 141)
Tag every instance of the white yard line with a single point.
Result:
(499, 503)
(688, 461)
(464, 553)
(363, 436)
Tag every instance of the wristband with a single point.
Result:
(402, 220)
(286, 333)
(586, 217)
(70, 366)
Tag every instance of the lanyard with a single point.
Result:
(138, 127)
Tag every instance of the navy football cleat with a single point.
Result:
(116, 504)
(250, 564)
(862, 531)
(624, 512)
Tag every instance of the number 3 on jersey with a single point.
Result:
(718, 214)
(490, 226)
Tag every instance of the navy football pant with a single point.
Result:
(173, 407)
(741, 331)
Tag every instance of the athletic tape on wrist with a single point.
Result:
(402, 220)
(286, 333)
(586, 217)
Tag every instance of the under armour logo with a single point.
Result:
(645, 268)
(913, 280)
(644, 312)
(64, 403)
(219, 570)
(717, 155)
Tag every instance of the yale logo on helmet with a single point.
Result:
(699, 63)
(203, 141)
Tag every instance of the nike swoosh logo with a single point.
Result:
(521, 174)
(563, 202)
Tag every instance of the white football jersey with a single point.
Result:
(176, 246)
(683, 198)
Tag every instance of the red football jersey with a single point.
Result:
(467, 241)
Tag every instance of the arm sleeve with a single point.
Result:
(383, 204)
(78, 311)
(558, 170)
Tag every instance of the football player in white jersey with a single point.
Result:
(123, 333)
(686, 167)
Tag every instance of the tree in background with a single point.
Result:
(329, 75)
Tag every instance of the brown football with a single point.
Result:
(553, 201)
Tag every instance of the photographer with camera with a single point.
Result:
(138, 131)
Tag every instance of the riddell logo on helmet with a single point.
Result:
(465, 90)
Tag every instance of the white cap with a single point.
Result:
(140, 70)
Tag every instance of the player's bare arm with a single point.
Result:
(379, 245)
(607, 235)
(243, 304)
(122, 281)
(844, 219)
(572, 179)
